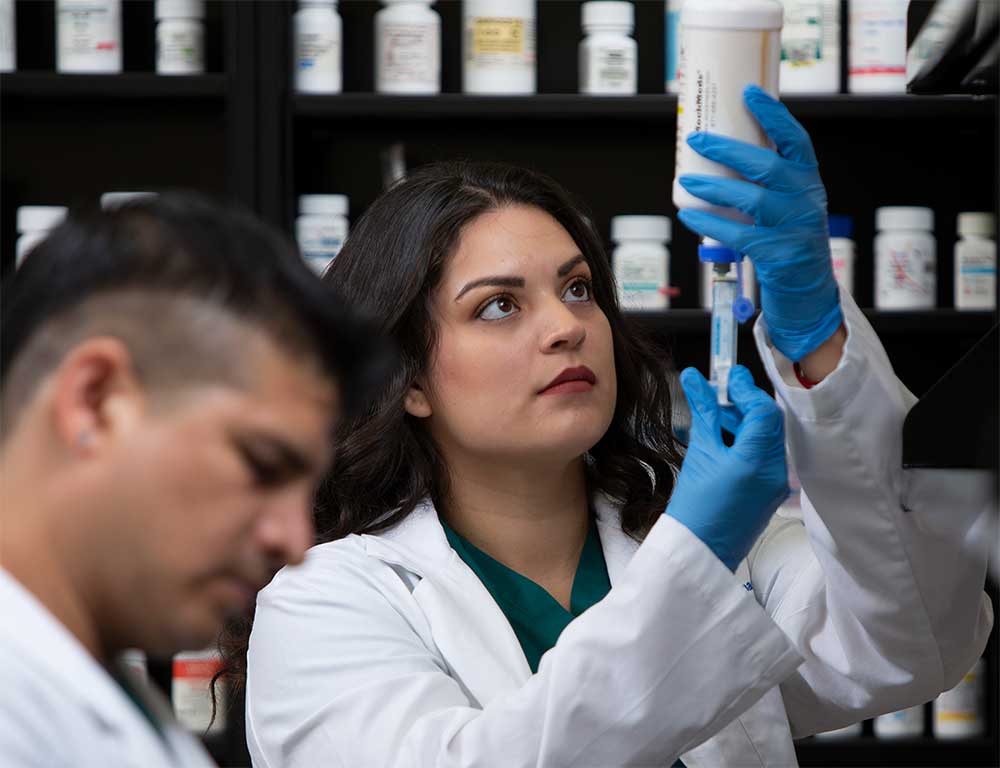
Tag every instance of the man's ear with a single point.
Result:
(95, 395)
(416, 402)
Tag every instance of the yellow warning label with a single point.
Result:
(498, 35)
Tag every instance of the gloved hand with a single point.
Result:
(726, 495)
(789, 243)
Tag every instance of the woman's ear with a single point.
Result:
(416, 402)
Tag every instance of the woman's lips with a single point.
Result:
(569, 387)
(571, 380)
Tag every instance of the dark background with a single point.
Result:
(239, 132)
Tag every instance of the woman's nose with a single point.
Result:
(565, 331)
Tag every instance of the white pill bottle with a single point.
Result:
(810, 47)
(608, 55)
(641, 262)
(89, 36)
(905, 258)
(407, 48)
(498, 46)
(725, 45)
(976, 262)
(318, 33)
(180, 37)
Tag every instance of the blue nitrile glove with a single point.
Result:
(788, 242)
(726, 495)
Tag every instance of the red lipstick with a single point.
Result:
(579, 379)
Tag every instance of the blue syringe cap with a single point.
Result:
(717, 253)
(743, 309)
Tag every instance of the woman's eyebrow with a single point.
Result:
(516, 282)
(505, 282)
(566, 268)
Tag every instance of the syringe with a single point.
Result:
(729, 307)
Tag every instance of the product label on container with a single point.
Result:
(499, 41)
(180, 52)
(88, 27)
(810, 34)
(317, 51)
(906, 277)
(878, 38)
(641, 284)
(609, 69)
(191, 691)
(320, 244)
(409, 54)
(711, 89)
(977, 275)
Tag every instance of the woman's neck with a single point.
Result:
(532, 519)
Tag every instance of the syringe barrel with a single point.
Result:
(724, 333)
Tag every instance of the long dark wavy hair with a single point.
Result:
(386, 462)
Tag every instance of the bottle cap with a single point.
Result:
(180, 9)
(976, 225)
(717, 253)
(323, 205)
(732, 14)
(904, 217)
(655, 228)
(608, 13)
(39, 218)
(841, 226)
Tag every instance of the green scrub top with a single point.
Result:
(536, 617)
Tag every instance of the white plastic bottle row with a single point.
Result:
(89, 36)
(905, 261)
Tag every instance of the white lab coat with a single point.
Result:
(387, 650)
(59, 708)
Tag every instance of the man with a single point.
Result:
(171, 373)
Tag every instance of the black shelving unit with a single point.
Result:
(240, 132)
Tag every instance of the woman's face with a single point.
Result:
(515, 315)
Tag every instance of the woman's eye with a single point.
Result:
(578, 291)
(264, 473)
(498, 309)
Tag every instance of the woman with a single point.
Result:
(482, 596)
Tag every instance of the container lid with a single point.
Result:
(977, 225)
(841, 226)
(641, 228)
(904, 217)
(38, 218)
(608, 13)
(180, 9)
(713, 251)
(324, 205)
(112, 200)
(732, 14)
(404, 2)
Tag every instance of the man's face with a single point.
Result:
(211, 493)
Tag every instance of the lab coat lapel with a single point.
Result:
(618, 546)
(467, 625)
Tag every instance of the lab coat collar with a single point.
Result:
(418, 543)
(461, 612)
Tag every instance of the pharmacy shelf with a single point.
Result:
(641, 107)
(940, 322)
(904, 752)
(125, 86)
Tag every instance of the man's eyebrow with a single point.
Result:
(566, 268)
(504, 282)
(291, 459)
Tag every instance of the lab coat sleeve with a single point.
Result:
(881, 590)
(343, 671)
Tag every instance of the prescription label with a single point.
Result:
(498, 35)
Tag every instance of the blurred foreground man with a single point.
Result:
(171, 374)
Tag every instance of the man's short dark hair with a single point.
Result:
(173, 277)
